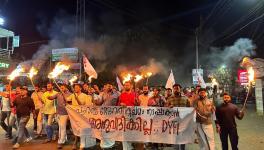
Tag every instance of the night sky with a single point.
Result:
(172, 22)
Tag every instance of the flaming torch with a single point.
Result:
(73, 79)
(251, 75)
(32, 72)
(128, 77)
(138, 78)
(59, 68)
(15, 73)
(148, 75)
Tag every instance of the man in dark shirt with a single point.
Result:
(24, 105)
(226, 124)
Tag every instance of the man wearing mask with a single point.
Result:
(79, 98)
(178, 100)
(49, 111)
(226, 124)
(204, 112)
(24, 106)
(144, 97)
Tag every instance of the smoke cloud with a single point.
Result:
(226, 56)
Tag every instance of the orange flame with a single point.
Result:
(73, 79)
(127, 78)
(59, 68)
(149, 74)
(138, 78)
(15, 73)
(32, 72)
(251, 74)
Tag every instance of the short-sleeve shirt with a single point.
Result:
(83, 99)
(36, 96)
(49, 105)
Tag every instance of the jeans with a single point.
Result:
(49, 130)
(232, 133)
(22, 130)
(5, 115)
(62, 121)
(12, 124)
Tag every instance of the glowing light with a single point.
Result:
(138, 78)
(73, 79)
(32, 72)
(149, 74)
(15, 73)
(59, 68)
(214, 82)
(251, 74)
(2, 21)
(127, 78)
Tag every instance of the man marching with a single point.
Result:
(226, 124)
(24, 105)
(79, 98)
(61, 113)
(178, 100)
(204, 110)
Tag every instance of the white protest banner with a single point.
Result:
(149, 124)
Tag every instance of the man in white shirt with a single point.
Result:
(79, 98)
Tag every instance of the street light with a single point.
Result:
(2, 21)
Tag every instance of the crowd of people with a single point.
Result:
(47, 104)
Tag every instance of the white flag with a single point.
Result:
(119, 84)
(201, 80)
(170, 81)
(88, 68)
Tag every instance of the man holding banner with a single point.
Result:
(178, 100)
(78, 98)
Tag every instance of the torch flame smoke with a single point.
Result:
(251, 74)
(59, 68)
(15, 73)
(127, 78)
(32, 72)
(138, 78)
(73, 79)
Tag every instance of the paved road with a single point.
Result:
(250, 130)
